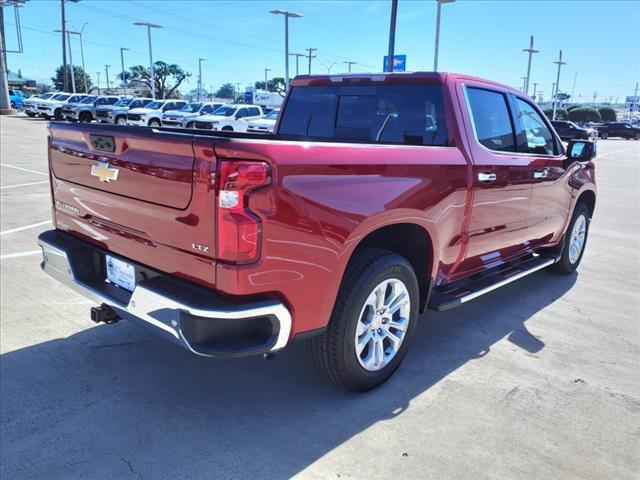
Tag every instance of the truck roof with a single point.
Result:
(391, 78)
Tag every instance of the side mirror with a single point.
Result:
(581, 151)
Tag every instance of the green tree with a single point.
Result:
(226, 90)
(79, 76)
(584, 114)
(167, 78)
(607, 114)
(561, 113)
(275, 85)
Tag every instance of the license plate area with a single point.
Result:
(120, 273)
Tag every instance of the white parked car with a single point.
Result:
(117, 113)
(187, 114)
(30, 105)
(52, 107)
(231, 118)
(151, 115)
(265, 124)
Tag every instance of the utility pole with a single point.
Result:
(65, 83)
(238, 89)
(595, 94)
(310, 56)
(349, 64)
(153, 77)
(297, 55)
(5, 103)
(286, 15)
(535, 87)
(98, 73)
(437, 49)
(73, 73)
(266, 79)
(524, 83)
(530, 51)
(200, 60)
(573, 89)
(559, 62)
(124, 77)
(106, 68)
(392, 35)
(86, 84)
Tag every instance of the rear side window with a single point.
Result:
(537, 136)
(254, 112)
(411, 115)
(491, 119)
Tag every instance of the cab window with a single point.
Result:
(491, 119)
(536, 137)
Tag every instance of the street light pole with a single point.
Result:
(86, 85)
(65, 83)
(297, 55)
(124, 78)
(286, 14)
(73, 73)
(266, 80)
(524, 83)
(530, 51)
(392, 35)
(200, 60)
(153, 77)
(98, 73)
(535, 87)
(437, 48)
(349, 63)
(329, 67)
(559, 62)
(106, 68)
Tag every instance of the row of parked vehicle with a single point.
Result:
(571, 131)
(128, 110)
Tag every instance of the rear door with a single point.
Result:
(502, 179)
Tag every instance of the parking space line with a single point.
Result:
(27, 227)
(24, 184)
(24, 169)
(21, 254)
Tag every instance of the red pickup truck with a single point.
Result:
(377, 197)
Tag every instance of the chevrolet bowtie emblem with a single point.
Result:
(104, 172)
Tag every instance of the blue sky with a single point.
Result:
(600, 39)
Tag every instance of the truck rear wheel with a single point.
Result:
(372, 322)
(604, 135)
(575, 240)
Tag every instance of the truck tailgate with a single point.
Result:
(147, 195)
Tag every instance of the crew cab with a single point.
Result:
(377, 197)
(151, 114)
(117, 113)
(71, 102)
(230, 118)
(619, 129)
(30, 105)
(52, 107)
(85, 110)
(186, 116)
(265, 124)
(570, 131)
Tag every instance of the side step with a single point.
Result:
(457, 293)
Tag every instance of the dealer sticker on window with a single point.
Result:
(121, 273)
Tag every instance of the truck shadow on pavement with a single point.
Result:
(116, 402)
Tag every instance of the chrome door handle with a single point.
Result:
(541, 174)
(486, 177)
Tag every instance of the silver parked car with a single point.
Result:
(117, 113)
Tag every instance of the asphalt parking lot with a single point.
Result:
(537, 380)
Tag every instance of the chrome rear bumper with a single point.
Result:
(194, 317)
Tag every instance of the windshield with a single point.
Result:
(61, 96)
(123, 103)
(139, 103)
(44, 96)
(191, 107)
(155, 105)
(273, 115)
(88, 99)
(225, 111)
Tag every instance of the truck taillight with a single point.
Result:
(239, 229)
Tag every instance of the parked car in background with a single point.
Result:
(265, 124)
(619, 129)
(30, 105)
(117, 113)
(378, 196)
(15, 98)
(230, 118)
(72, 101)
(570, 131)
(52, 107)
(85, 111)
(187, 114)
(151, 114)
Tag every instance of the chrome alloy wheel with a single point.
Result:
(382, 324)
(578, 235)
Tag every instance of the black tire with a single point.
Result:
(154, 122)
(604, 135)
(334, 351)
(227, 129)
(45, 116)
(121, 120)
(29, 114)
(190, 125)
(565, 266)
(85, 117)
(57, 114)
(13, 105)
(636, 136)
